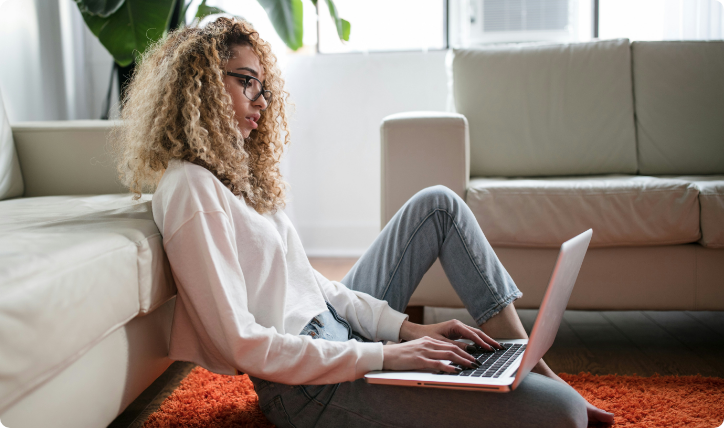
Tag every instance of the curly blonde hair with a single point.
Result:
(176, 107)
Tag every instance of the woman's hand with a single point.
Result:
(448, 331)
(424, 354)
(426, 345)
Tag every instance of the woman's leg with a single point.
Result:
(435, 223)
(538, 402)
(507, 325)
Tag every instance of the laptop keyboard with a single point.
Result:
(493, 363)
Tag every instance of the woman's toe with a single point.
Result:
(597, 415)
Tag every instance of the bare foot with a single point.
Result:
(595, 415)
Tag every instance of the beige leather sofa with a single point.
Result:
(550, 140)
(86, 294)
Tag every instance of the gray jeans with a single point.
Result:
(435, 223)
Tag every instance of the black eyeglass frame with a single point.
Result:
(267, 94)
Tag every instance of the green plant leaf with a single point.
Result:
(131, 29)
(343, 26)
(203, 11)
(102, 8)
(286, 16)
(95, 23)
(346, 29)
(180, 20)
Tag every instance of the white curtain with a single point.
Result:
(694, 20)
(662, 19)
(87, 66)
(53, 68)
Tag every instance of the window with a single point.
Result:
(521, 15)
(404, 25)
(475, 22)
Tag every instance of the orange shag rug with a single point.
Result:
(205, 399)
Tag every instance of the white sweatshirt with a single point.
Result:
(246, 289)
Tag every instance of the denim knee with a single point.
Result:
(437, 197)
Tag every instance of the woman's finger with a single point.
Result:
(450, 349)
(487, 339)
(451, 356)
(469, 349)
(478, 336)
(462, 345)
(470, 333)
(439, 366)
(452, 328)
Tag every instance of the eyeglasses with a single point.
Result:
(253, 88)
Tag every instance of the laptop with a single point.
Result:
(503, 370)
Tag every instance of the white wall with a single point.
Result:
(333, 163)
(51, 65)
(24, 71)
(53, 68)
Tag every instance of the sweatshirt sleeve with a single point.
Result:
(204, 260)
(371, 317)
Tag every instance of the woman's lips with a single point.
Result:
(252, 122)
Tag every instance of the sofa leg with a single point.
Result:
(416, 313)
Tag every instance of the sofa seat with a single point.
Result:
(623, 210)
(649, 112)
(73, 269)
(711, 202)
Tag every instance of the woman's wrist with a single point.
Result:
(409, 331)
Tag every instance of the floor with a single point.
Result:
(605, 342)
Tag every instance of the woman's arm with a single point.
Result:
(371, 317)
(424, 345)
(376, 320)
(211, 285)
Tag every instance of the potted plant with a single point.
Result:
(126, 28)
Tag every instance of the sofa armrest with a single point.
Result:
(66, 158)
(422, 149)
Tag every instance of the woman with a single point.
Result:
(205, 124)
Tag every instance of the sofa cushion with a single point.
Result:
(542, 110)
(679, 93)
(622, 210)
(72, 270)
(59, 295)
(102, 214)
(11, 179)
(66, 157)
(711, 204)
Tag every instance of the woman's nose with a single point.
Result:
(261, 103)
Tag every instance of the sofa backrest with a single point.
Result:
(541, 110)
(11, 178)
(66, 158)
(679, 99)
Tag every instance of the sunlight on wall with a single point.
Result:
(383, 25)
(662, 19)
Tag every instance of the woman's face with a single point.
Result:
(244, 61)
